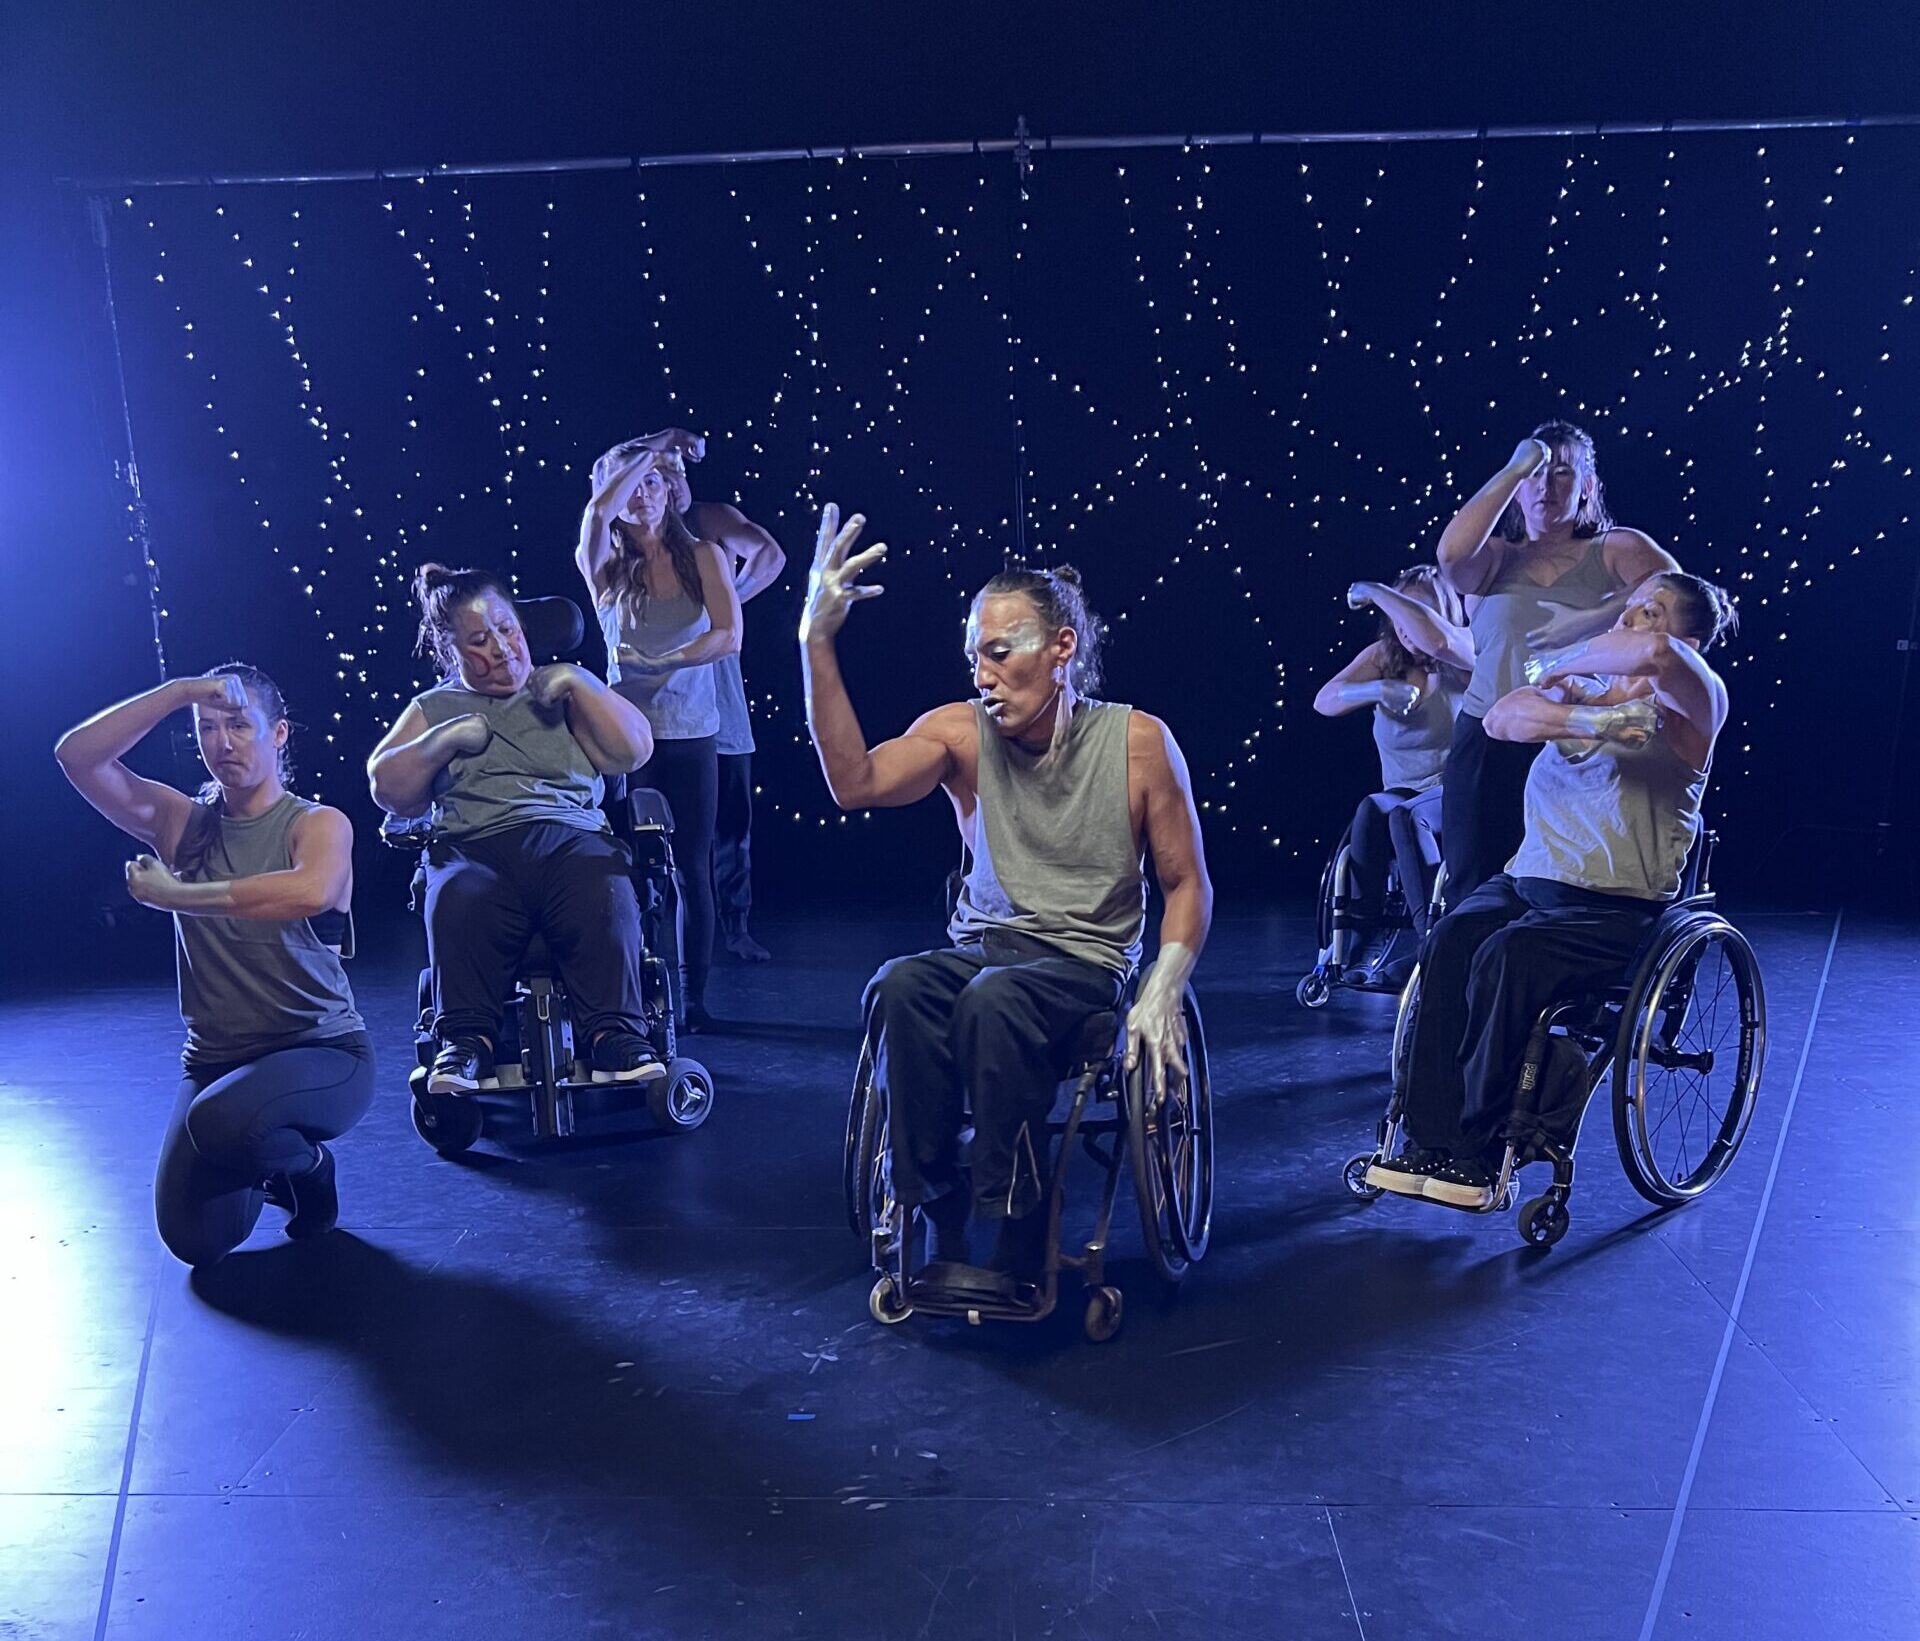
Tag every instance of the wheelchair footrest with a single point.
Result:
(950, 1289)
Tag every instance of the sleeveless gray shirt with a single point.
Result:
(730, 696)
(680, 705)
(247, 986)
(532, 770)
(1054, 856)
(1513, 606)
(1413, 750)
(1610, 817)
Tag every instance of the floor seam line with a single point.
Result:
(126, 1464)
(1346, 1578)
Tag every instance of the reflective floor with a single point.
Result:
(627, 1385)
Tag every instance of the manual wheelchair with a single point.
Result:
(1167, 1150)
(1684, 1035)
(1356, 947)
(537, 1051)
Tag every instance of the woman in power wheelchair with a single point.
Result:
(1380, 878)
(524, 881)
(1599, 946)
(1057, 796)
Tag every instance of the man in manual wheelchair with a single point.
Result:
(1057, 795)
(1599, 940)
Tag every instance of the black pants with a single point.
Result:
(487, 896)
(235, 1126)
(1493, 963)
(732, 842)
(1483, 810)
(1402, 825)
(990, 1027)
(687, 774)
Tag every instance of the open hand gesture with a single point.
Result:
(833, 585)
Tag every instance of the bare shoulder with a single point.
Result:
(324, 824)
(951, 724)
(1634, 555)
(1151, 747)
(710, 518)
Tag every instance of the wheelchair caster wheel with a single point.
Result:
(885, 1305)
(448, 1123)
(683, 1099)
(1313, 991)
(1354, 1177)
(1105, 1310)
(1543, 1222)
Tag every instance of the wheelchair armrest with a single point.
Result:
(401, 832)
(648, 808)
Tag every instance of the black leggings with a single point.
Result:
(687, 775)
(236, 1126)
(1401, 824)
(1483, 805)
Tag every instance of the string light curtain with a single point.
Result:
(1223, 382)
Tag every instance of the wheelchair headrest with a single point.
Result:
(555, 628)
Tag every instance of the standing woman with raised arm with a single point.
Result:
(669, 610)
(1545, 566)
(259, 883)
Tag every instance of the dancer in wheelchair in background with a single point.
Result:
(1056, 795)
(508, 762)
(1627, 723)
(1411, 677)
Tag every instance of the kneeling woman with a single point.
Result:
(508, 761)
(277, 1059)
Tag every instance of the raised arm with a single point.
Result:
(1156, 1025)
(319, 880)
(90, 755)
(1359, 684)
(613, 476)
(1467, 557)
(1422, 628)
(896, 772)
(757, 558)
(408, 760)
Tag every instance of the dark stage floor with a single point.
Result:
(628, 1386)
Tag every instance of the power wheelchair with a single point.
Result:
(1684, 1035)
(537, 1052)
(1352, 953)
(1167, 1150)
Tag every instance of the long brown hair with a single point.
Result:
(1396, 660)
(626, 571)
(1593, 519)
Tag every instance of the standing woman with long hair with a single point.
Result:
(669, 609)
(259, 883)
(1544, 566)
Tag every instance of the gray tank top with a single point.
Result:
(730, 696)
(1054, 856)
(1413, 750)
(532, 770)
(1609, 817)
(248, 987)
(1513, 606)
(680, 705)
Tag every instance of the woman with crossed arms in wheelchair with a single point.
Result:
(277, 1058)
(508, 762)
(1057, 796)
(1628, 721)
(1411, 676)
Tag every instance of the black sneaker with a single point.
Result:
(462, 1065)
(1020, 1250)
(311, 1200)
(625, 1057)
(1406, 1174)
(1465, 1182)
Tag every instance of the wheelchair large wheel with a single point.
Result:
(1403, 1015)
(1171, 1149)
(1323, 908)
(865, 1154)
(1693, 1039)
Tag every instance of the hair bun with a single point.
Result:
(431, 575)
(1066, 573)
